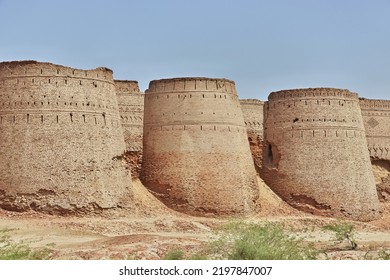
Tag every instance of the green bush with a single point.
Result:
(242, 241)
(343, 231)
(198, 257)
(174, 254)
(10, 250)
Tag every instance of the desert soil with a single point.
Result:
(152, 229)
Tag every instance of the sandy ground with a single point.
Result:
(153, 229)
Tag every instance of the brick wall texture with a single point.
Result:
(376, 118)
(253, 111)
(61, 140)
(131, 110)
(316, 155)
(69, 138)
(196, 156)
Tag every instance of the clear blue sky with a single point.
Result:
(263, 45)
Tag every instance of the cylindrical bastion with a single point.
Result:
(253, 111)
(61, 140)
(376, 118)
(316, 155)
(196, 156)
(131, 110)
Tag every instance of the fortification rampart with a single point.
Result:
(131, 109)
(196, 149)
(376, 118)
(253, 112)
(312, 93)
(61, 139)
(126, 87)
(312, 137)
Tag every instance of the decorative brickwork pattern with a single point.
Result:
(376, 118)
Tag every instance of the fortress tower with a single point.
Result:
(253, 111)
(196, 156)
(316, 155)
(376, 118)
(61, 140)
(131, 109)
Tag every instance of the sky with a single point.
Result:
(262, 45)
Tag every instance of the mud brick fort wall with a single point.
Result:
(376, 118)
(316, 155)
(196, 156)
(131, 110)
(69, 138)
(253, 111)
(60, 135)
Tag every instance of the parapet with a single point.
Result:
(33, 68)
(312, 93)
(251, 102)
(125, 87)
(193, 84)
(377, 104)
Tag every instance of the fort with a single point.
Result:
(71, 139)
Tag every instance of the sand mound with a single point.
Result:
(273, 205)
(147, 204)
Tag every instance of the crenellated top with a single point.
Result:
(31, 68)
(376, 104)
(323, 93)
(251, 102)
(190, 84)
(125, 87)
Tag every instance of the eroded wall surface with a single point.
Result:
(253, 111)
(376, 118)
(131, 109)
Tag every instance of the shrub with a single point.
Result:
(174, 254)
(260, 242)
(10, 250)
(343, 231)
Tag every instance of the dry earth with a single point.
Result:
(152, 229)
